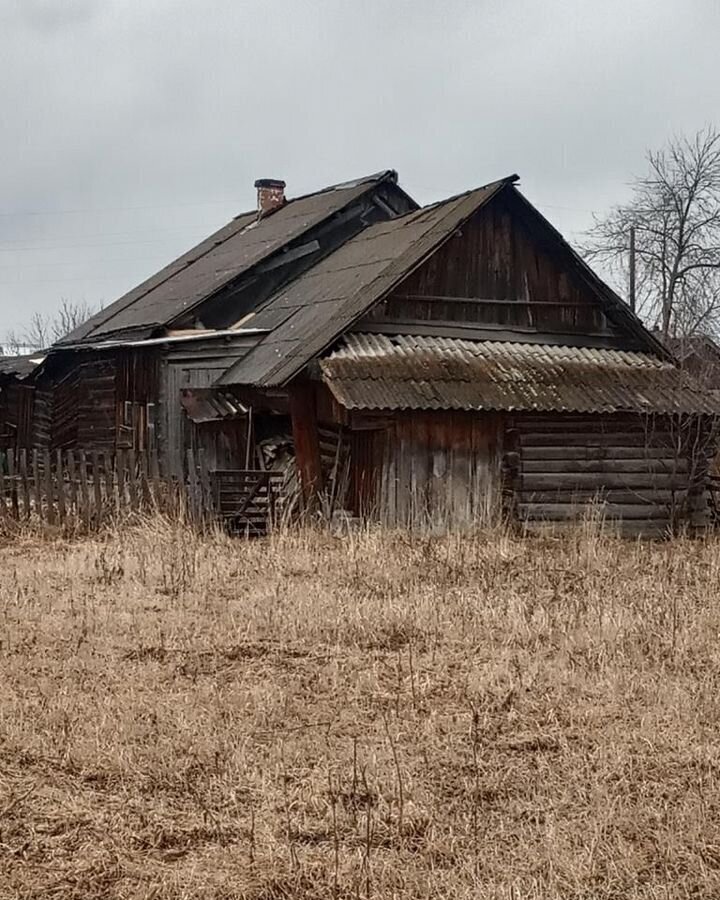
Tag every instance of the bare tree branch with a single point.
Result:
(44, 330)
(675, 211)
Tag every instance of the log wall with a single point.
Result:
(646, 474)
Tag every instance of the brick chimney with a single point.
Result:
(270, 195)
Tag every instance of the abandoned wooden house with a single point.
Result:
(442, 364)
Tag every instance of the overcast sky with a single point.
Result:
(132, 128)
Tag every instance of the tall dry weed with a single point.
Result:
(373, 714)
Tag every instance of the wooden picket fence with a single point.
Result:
(90, 488)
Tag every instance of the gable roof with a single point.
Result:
(311, 313)
(317, 307)
(218, 260)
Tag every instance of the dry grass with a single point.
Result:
(373, 715)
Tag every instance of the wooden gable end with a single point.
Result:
(502, 276)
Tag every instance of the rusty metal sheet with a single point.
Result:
(372, 371)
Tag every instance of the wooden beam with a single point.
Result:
(303, 414)
(491, 301)
(488, 332)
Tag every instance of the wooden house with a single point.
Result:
(132, 376)
(441, 365)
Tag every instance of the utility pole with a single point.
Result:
(632, 268)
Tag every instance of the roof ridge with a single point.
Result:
(375, 178)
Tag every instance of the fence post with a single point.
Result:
(60, 478)
(97, 488)
(144, 482)
(206, 498)
(24, 482)
(72, 484)
(132, 479)
(47, 465)
(36, 483)
(120, 465)
(84, 492)
(3, 505)
(12, 473)
(155, 475)
(192, 486)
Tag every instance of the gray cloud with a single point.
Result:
(130, 128)
(50, 16)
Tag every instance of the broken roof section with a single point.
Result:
(20, 367)
(215, 262)
(378, 372)
(310, 314)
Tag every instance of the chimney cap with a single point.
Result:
(270, 183)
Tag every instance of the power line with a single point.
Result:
(91, 209)
(129, 233)
(55, 280)
(43, 249)
(129, 259)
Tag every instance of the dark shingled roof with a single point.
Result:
(309, 315)
(318, 306)
(226, 254)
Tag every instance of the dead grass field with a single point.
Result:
(368, 716)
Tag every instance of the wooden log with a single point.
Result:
(604, 439)
(601, 466)
(60, 485)
(600, 481)
(647, 496)
(561, 511)
(624, 529)
(595, 452)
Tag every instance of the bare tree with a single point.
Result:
(675, 213)
(44, 330)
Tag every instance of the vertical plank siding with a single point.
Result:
(429, 469)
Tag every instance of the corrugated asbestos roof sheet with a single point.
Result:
(314, 309)
(225, 255)
(379, 372)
